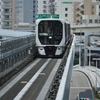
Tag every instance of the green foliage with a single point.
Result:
(76, 61)
(98, 96)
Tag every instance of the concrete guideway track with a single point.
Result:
(30, 83)
(13, 82)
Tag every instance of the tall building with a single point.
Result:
(43, 7)
(65, 9)
(17, 11)
(0, 15)
(84, 10)
(76, 11)
(7, 14)
(25, 11)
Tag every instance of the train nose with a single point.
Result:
(50, 50)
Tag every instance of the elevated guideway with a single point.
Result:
(64, 88)
(60, 86)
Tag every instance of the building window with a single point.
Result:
(96, 21)
(90, 21)
(66, 15)
(84, 21)
(44, 2)
(66, 9)
(92, 6)
(44, 11)
(44, 6)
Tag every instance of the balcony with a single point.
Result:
(6, 19)
(6, 12)
(78, 13)
(80, 8)
(7, 6)
(6, 26)
(6, 0)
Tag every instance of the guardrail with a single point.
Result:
(64, 88)
(60, 86)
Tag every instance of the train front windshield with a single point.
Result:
(50, 32)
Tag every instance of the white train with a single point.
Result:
(52, 36)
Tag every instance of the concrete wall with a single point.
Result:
(64, 88)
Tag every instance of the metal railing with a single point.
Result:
(15, 51)
(9, 47)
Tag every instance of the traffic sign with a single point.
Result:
(55, 16)
(67, 2)
(41, 16)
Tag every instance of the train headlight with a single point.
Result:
(58, 51)
(41, 51)
(50, 37)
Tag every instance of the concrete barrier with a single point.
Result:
(64, 88)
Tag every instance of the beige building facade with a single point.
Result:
(83, 10)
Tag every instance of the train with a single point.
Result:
(52, 36)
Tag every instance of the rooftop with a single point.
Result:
(12, 33)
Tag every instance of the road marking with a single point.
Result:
(13, 82)
(42, 74)
(23, 82)
(28, 85)
(46, 86)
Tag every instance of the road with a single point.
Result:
(28, 84)
(80, 86)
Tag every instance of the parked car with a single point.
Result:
(84, 99)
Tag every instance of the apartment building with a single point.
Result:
(65, 9)
(43, 7)
(76, 11)
(17, 11)
(6, 14)
(0, 14)
(84, 10)
(25, 11)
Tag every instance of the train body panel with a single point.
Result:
(51, 36)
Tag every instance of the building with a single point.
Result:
(43, 7)
(91, 52)
(25, 11)
(84, 9)
(25, 27)
(7, 14)
(17, 11)
(76, 11)
(65, 9)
